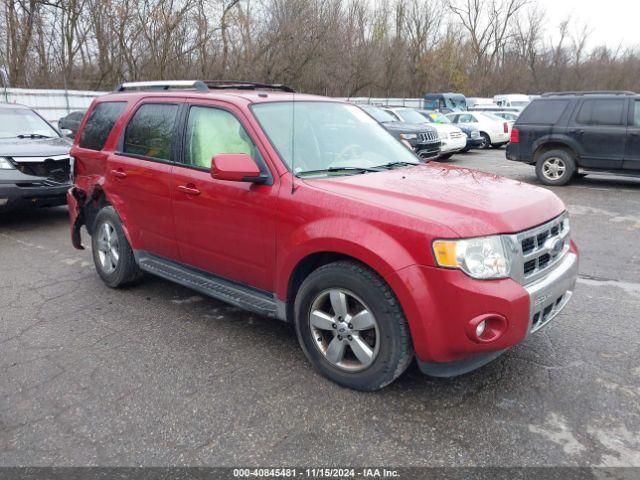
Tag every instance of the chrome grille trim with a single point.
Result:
(428, 136)
(536, 250)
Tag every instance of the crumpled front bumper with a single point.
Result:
(18, 189)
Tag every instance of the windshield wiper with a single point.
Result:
(32, 135)
(340, 169)
(391, 165)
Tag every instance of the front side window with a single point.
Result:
(150, 131)
(601, 112)
(311, 136)
(211, 131)
(16, 122)
(100, 123)
(466, 119)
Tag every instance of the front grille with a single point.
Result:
(428, 136)
(545, 314)
(57, 170)
(542, 247)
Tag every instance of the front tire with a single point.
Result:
(445, 156)
(555, 167)
(351, 326)
(486, 141)
(112, 254)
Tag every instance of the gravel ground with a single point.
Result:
(158, 375)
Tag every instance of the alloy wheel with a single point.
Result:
(554, 168)
(108, 253)
(344, 329)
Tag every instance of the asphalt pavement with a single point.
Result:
(156, 374)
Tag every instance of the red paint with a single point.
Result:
(234, 167)
(257, 233)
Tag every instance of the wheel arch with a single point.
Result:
(546, 146)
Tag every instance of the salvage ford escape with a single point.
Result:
(305, 209)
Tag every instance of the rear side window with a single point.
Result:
(544, 112)
(636, 114)
(601, 112)
(150, 131)
(99, 124)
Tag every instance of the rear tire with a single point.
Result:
(330, 311)
(112, 254)
(555, 167)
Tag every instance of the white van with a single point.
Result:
(512, 100)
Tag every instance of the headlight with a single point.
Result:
(482, 258)
(6, 164)
(443, 135)
(408, 136)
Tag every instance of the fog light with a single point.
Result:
(480, 328)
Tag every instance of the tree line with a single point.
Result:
(397, 48)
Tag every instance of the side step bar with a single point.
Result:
(248, 298)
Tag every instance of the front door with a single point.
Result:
(222, 227)
(140, 174)
(632, 152)
(600, 129)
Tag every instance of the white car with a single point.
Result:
(452, 139)
(495, 131)
(515, 100)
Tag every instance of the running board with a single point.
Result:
(248, 298)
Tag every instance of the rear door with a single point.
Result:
(599, 128)
(139, 176)
(632, 151)
(223, 227)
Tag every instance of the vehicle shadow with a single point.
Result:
(28, 217)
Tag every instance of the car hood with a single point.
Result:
(469, 202)
(445, 127)
(402, 127)
(40, 147)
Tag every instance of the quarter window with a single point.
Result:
(211, 131)
(150, 131)
(99, 125)
(636, 114)
(601, 112)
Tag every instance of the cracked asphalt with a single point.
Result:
(158, 375)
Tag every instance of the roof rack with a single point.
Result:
(241, 85)
(200, 85)
(592, 92)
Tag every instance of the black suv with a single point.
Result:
(423, 139)
(35, 167)
(578, 133)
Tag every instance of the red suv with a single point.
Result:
(305, 209)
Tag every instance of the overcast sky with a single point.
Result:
(611, 21)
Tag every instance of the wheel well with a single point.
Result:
(545, 147)
(91, 208)
(304, 268)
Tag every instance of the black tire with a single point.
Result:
(497, 145)
(563, 159)
(445, 156)
(126, 269)
(486, 141)
(395, 350)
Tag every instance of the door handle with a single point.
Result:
(189, 189)
(119, 173)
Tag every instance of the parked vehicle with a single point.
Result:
(474, 140)
(34, 160)
(445, 102)
(423, 139)
(479, 102)
(510, 117)
(305, 209)
(494, 109)
(515, 100)
(452, 139)
(579, 133)
(71, 122)
(495, 131)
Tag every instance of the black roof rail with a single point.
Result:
(201, 85)
(242, 85)
(589, 92)
(198, 85)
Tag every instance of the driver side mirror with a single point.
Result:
(65, 132)
(236, 167)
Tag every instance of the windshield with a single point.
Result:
(410, 116)
(379, 114)
(457, 103)
(312, 136)
(16, 122)
(436, 117)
